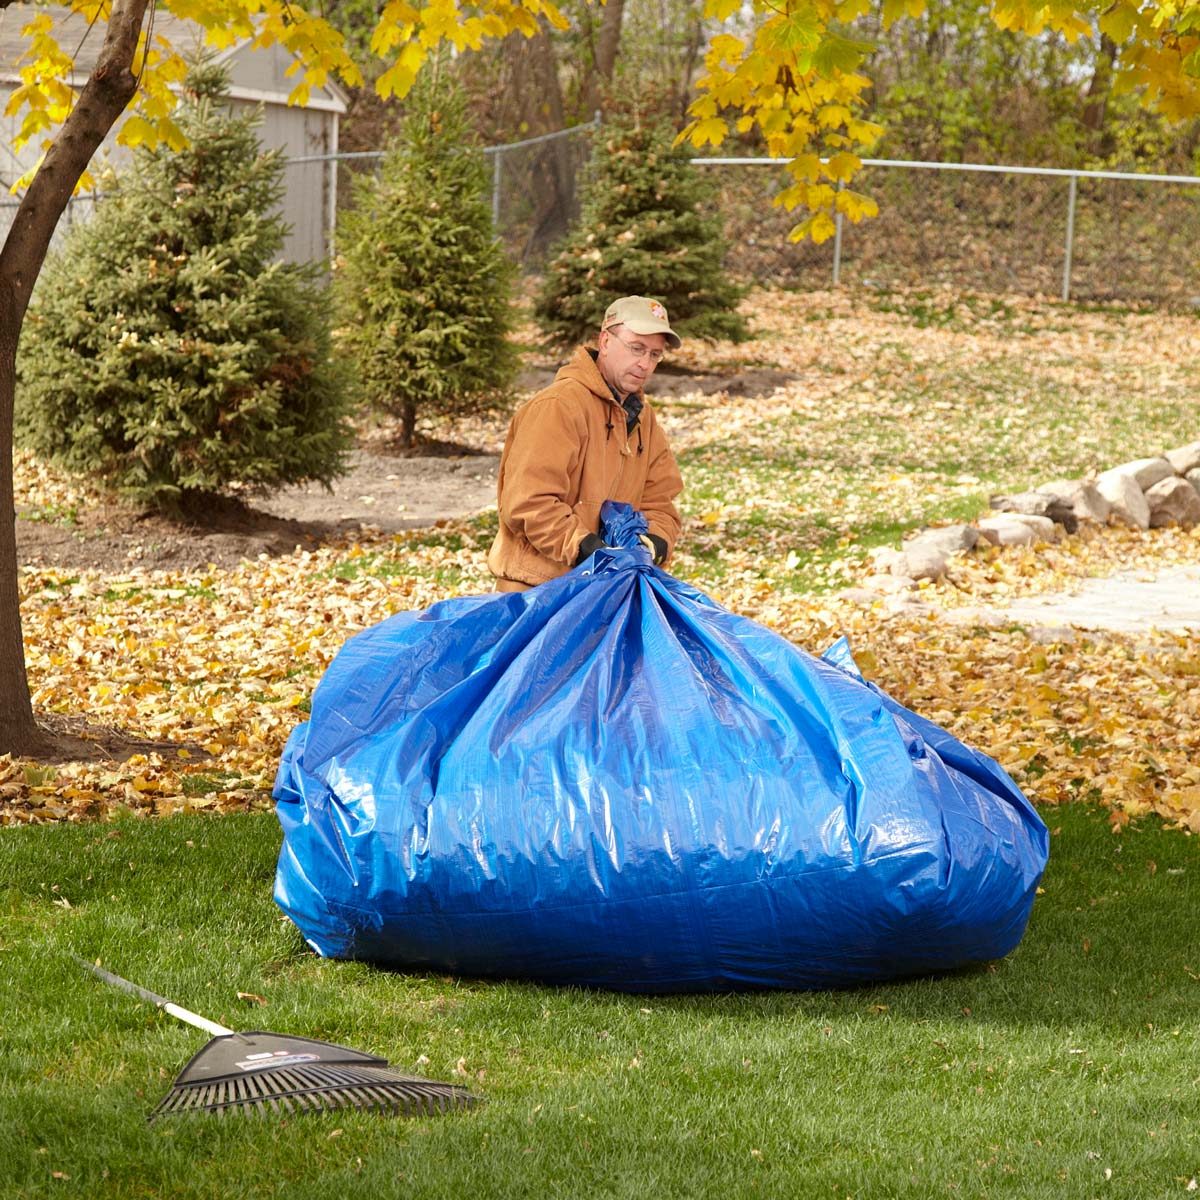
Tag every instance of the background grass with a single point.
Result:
(1070, 1069)
(907, 408)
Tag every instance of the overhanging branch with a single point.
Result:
(105, 95)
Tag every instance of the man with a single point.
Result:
(589, 437)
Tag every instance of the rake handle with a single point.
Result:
(167, 1006)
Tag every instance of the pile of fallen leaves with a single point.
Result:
(222, 664)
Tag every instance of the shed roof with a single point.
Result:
(257, 75)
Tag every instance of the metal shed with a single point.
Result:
(257, 77)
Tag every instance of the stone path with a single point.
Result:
(1168, 600)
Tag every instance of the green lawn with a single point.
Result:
(1071, 1069)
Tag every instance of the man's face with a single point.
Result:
(627, 359)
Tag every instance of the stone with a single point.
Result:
(1173, 501)
(889, 583)
(1193, 477)
(858, 595)
(1008, 530)
(1044, 528)
(1185, 458)
(1033, 503)
(1128, 504)
(1082, 495)
(1039, 504)
(888, 559)
(946, 539)
(924, 562)
(1147, 471)
(902, 605)
(1052, 635)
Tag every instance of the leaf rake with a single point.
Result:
(273, 1073)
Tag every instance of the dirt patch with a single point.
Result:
(80, 739)
(380, 492)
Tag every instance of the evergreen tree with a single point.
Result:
(168, 352)
(650, 227)
(422, 282)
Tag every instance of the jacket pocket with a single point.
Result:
(587, 513)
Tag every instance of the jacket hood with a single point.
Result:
(582, 369)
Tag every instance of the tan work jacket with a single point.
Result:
(566, 453)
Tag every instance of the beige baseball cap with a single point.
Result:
(640, 314)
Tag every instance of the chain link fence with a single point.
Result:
(535, 187)
(1086, 236)
(79, 208)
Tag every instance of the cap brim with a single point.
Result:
(645, 328)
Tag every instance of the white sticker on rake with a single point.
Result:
(275, 1058)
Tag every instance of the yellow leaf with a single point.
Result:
(843, 167)
(805, 166)
(855, 206)
(1118, 22)
(818, 228)
(721, 10)
(137, 130)
(711, 129)
(35, 121)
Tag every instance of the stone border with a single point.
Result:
(1145, 493)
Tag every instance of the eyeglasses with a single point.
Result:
(640, 351)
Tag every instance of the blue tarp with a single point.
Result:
(611, 780)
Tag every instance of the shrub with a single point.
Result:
(422, 282)
(168, 351)
(649, 227)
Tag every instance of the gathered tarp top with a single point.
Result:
(610, 780)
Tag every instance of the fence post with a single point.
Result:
(837, 244)
(496, 188)
(1072, 191)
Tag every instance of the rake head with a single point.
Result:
(269, 1073)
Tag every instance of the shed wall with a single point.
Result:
(297, 132)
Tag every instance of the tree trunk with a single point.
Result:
(695, 50)
(1099, 86)
(104, 97)
(606, 53)
(17, 729)
(610, 39)
(555, 193)
(546, 92)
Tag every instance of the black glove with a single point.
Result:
(590, 544)
(656, 545)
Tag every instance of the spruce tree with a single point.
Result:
(649, 227)
(423, 284)
(168, 352)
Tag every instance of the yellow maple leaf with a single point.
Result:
(710, 130)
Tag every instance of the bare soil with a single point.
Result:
(386, 493)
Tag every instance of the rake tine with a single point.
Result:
(268, 1073)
